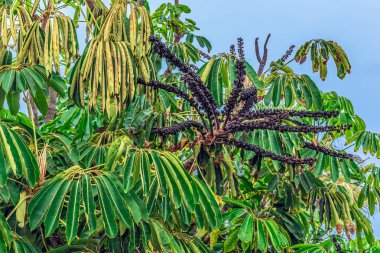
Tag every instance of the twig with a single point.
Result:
(261, 59)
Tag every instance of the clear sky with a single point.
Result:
(354, 24)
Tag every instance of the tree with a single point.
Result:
(153, 145)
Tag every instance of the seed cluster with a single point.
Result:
(249, 96)
(327, 151)
(245, 118)
(165, 131)
(272, 124)
(238, 87)
(232, 49)
(204, 55)
(293, 113)
(241, 49)
(172, 89)
(288, 53)
(261, 152)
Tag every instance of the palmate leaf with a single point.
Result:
(17, 79)
(165, 241)
(177, 188)
(292, 88)
(99, 192)
(370, 193)
(18, 156)
(249, 231)
(320, 52)
(368, 141)
(186, 52)
(338, 207)
(21, 244)
(335, 166)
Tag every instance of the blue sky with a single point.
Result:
(354, 24)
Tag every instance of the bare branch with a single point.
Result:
(262, 59)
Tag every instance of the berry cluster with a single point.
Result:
(273, 125)
(293, 113)
(204, 55)
(249, 96)
(232, 49)
(170, 88)
(288, 53)
(238, 113)
(238, 87)
(165, 131)
(328, 151)
(241, 48)
(261, 152)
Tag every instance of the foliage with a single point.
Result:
(156, 146)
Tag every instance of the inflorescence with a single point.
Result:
(288, 53)
(239, 113)
(163, 131)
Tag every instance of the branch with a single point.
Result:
(327, 151)
(164, 131)
(272, 125)
(261, 59)
(287, 53)
(261, 152)
(52, 105)
(34, 111)
(293, 113)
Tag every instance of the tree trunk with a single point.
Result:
(34, 110)
(52, 105)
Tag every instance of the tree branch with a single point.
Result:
(261, 59)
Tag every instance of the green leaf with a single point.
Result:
(209, 205)
(277, 91)
(108, 214)
(315, 92)
(334, 169)
(273, 232)
(5, 234)
(54, 214)
(362, 196)
(41, 202)
(72, 215)
(215, 83)
(261, 237)
(345, 170)
(246, 229)
(231, 241)
(13, 101)
(145, 172)
(253, 77)
(320, 165)
(88, 201)
(3, 168)
(116, 199)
